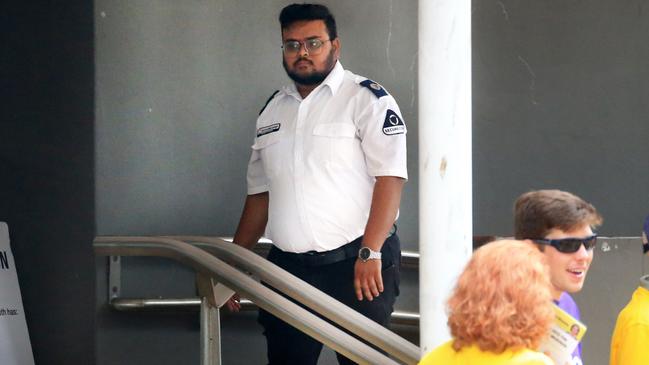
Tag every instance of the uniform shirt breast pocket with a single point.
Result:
(336, 144)
(269, 148)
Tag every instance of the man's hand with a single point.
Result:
(251, 226)
(234, 304)
(368, 281)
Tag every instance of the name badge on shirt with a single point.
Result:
(268, 129)
(393, 124)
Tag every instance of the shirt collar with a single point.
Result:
(335, 78)
(333, 81)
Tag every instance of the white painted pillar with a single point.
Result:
(445, 189)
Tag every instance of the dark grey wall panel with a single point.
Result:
(46, 171)
(559, 101)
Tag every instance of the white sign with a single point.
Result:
(15, 348)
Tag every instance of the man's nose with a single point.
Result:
(303, 47)
(583, 252)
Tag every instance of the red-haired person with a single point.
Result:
(500, 309)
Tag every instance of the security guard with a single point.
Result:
(325, 177)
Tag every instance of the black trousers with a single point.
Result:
(289, 346)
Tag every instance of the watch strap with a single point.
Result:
(373, 255)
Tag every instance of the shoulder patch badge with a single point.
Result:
(374, 87)
(268, 101)
(268, 129)
(393, 124)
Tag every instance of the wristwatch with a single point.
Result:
(366, 253)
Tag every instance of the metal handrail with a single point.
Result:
(193, 304)
(265, 297)
(311, 297)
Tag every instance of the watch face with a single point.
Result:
(364, 253)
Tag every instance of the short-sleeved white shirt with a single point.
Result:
(318, 158)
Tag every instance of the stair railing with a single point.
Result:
(209, 265)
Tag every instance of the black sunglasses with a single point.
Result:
(569, 245)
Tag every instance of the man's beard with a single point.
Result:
(315, 77)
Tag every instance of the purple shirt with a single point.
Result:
(569, 306)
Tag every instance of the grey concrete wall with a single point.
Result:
(559, 101)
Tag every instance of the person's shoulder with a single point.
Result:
(366, 85)
(568, 304)
(637, 310)
(474, 355)
(438, 355)
(277, 96)
(568, 298)
(531, 357)
(270, 98)
(374, 87)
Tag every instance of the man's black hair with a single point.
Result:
(299, 12)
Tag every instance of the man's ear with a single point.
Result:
(336, 46)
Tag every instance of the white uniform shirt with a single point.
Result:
(318, 158)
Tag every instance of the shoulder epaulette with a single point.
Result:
(374, 87)
(268, 101)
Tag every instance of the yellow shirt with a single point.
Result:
(629, 345)
(472, 355)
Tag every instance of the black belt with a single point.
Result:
(315, 258)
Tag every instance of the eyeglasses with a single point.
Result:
(313, 46)
(570, 245)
